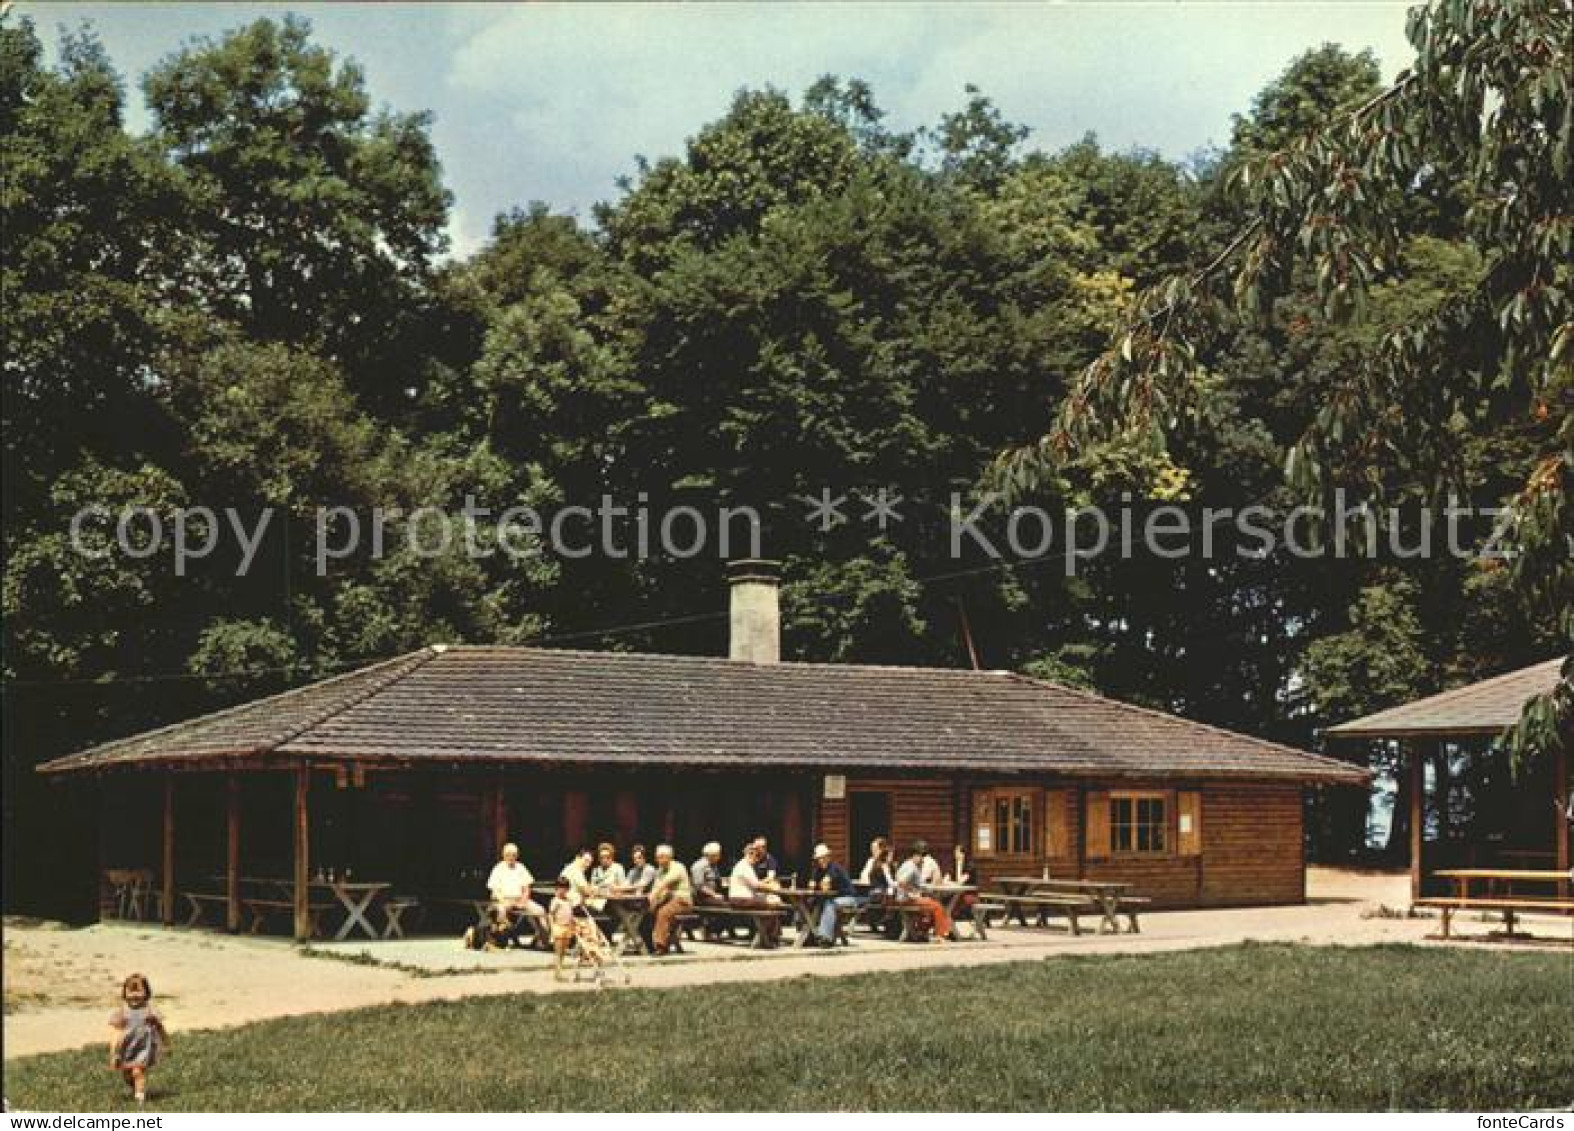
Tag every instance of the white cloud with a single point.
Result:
(553, 102)
(572, 93)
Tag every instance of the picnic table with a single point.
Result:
(806, 904)
(629, 911)
(1500, 900)
(1107, 895)
(355, 897)
(131, 892)
(948, 896)
(1493, 877)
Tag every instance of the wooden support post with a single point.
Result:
(1417, 767)
(1563, 830)
(303, 921)
(1082, 832)
(169, 852)
(232, 853)
(499, 815)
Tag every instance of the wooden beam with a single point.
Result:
(303, 922)
(1562, 829)
(169, 851)
(232, 853)
(499, 815)
(1414, 752)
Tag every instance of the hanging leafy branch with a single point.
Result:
(1485, 109)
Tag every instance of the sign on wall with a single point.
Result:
(835, 787)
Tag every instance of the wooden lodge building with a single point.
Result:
(414, 770)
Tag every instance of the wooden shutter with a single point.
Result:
(985, 836)
(1097, 834)
(1188, 838)
(1057, 824)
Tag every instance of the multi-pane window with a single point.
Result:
(1014, 823)
(1003, 823)
(1137, 822)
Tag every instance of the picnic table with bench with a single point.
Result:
(1108, 898)
(753, 920)
(262, 897)
(129, 893)
(948, 896)
(1500, 896)
(806, 904)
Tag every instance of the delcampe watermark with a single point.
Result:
(975, 528)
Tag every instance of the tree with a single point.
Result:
(1487, 103)
(89, 218)
(318, 219)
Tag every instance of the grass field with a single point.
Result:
(1252, 1027)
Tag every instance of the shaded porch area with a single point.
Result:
(325, 850)
(1483, 832)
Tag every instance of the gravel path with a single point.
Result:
(60, 984)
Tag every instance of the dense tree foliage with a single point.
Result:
(249, 308)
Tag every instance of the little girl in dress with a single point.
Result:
(561, 916)
(137, 1036)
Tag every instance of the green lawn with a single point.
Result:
(1252, 1027)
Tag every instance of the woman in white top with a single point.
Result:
(877, 872)
(607, 877)
(577, 873)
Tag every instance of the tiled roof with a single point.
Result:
(1477, 708)
(494, 704)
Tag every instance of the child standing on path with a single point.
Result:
(561, 916)
(137, 1036)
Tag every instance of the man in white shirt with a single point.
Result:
(509, 886)
(746, 889)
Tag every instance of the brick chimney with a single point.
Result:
(756, 624)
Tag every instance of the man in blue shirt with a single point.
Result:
(832, 879)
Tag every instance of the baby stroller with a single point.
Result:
(593, 953)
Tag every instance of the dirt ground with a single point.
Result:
(60, 984)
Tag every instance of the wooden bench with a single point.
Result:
(846, 915)
(1129, 906)
(395, 908)
(753, 918)
(1508, 905)
(260, 908)
(683, 925)
(1068, 904)
(197, 901)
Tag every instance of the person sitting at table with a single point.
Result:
(577, 873)
(705, 876)
(671, 895)
(877, 874)
(746, 889)
(933, 873)
(832, 879)
(509, 887)
(766, 868)
(878, 879)
(640, 874)
(608, 876)
(909, 892)
(961, 875)
(705, 879)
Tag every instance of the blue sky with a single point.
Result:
(553, 101)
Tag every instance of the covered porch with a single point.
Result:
(1465, 806)
(294, 848)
